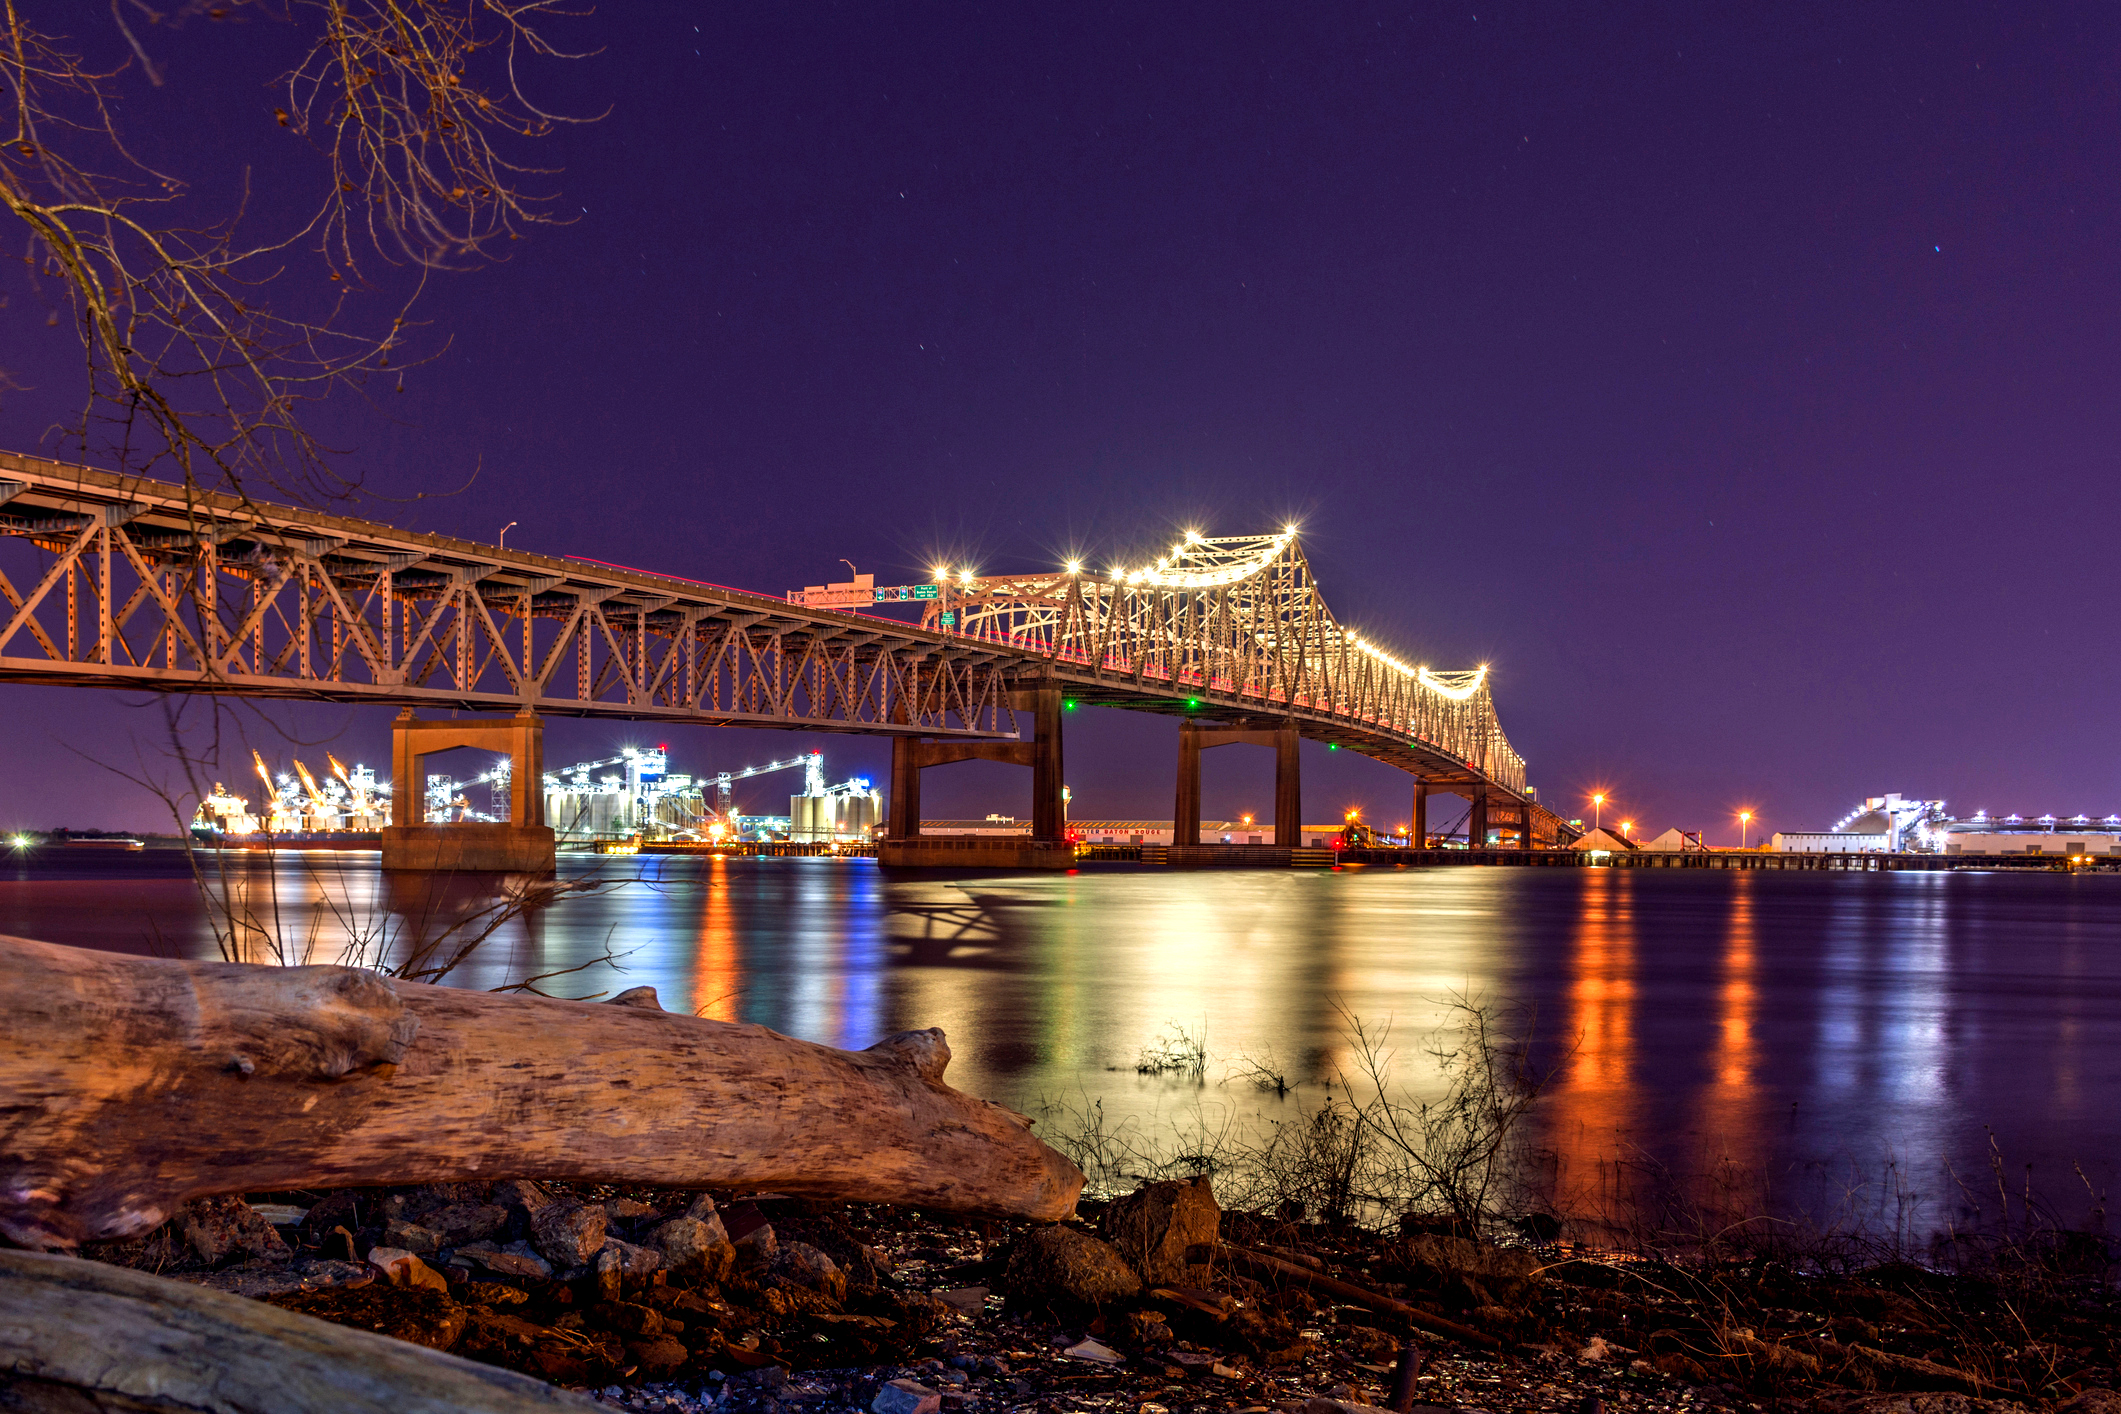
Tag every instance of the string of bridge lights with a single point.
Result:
(1168, 573)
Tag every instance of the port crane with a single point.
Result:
(813, 764)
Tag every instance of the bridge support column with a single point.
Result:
(1477, 819)
(1046, 847)
(1288, 788)
(1185, 810)
(905, 821)
(1418, 831)
(1048, 815)
(524, 844)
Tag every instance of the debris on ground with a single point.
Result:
(1157, 1303)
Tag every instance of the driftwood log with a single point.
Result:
(129, 1084)
(78, 1335)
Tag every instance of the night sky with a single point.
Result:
(1739, 381)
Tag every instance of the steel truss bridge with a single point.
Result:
(142, 584)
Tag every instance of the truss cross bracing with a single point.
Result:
(142, 584)
(1232, 628)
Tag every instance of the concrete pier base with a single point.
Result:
(505, 849)
(975, 852)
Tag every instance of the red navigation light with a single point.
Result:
(662, 746)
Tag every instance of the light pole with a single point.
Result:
(1625, 826)
(1598, 810)
(1745, 818)
(502, 538)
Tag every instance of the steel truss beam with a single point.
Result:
(1235, 628)
(124, 582)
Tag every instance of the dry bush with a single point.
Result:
(205, 342)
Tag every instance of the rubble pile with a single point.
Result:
(1155, 1303)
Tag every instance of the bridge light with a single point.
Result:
(1069, 704)
(942, 572)
(1332, 746)
(1075, 566)
(965, 578)
(1192, 537)
(1193, 702)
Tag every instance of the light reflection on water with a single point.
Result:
(1794, 1024)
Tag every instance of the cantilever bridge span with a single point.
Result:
(142, 584)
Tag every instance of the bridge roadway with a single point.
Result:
(148, 585)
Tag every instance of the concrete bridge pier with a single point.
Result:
(1196, 737)
(524, 845)
(1477, 819)
(1046, 847)
(1418, 830)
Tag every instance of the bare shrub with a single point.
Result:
(1175, 1052)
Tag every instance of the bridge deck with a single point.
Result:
(122, 581)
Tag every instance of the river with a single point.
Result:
(1814, 1038)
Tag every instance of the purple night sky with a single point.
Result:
(1741, 381)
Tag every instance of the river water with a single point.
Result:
(1812, 1037)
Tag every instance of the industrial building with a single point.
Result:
(1826, 842)
(633, 794)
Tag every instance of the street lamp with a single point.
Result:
(1597, 809)
(1745, 819)
(1625, 826)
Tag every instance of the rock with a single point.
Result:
(2091, 1401)
(1049, 1262)
(411, 1237)
(804, 1265)
(1094, 1351)
(625, 1210)
(466, 1222)
(702, 1209)
(635, 1263)
(756, 1247)
(225, 1227)
(336, 1209)
(1156, 1225)
(280, 1214)
(970, 1299)
(872, 1266)
(515, 1260)
(568, 1233)
(1225, 1372)
(402, 1268)
(1508, 1274)
(261, 1280)
(692, 1246)
(905, 1397)
(629, 1318)
(520, 1193)
(609, 1277)
(656, 1359)
(413, 1314)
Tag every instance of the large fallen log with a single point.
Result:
(129, 1084)
(78, 1335)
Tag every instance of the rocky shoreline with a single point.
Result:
(1153, 1304)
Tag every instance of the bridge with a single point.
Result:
(121, 581)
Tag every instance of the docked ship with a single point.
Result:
(347, 810)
